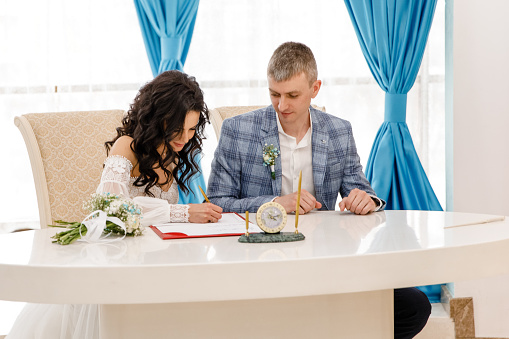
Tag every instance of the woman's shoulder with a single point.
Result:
(122, 147)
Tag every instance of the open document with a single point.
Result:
(230, 224)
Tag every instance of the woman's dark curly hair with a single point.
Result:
(156, 117)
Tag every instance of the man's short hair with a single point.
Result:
(290, 59)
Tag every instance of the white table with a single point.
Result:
(338, 282)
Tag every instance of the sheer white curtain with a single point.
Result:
(60, 56)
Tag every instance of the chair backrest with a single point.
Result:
(66, 151)
(217, 115)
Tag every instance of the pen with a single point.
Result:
(204, 195)
(247, 224)
(298, 203)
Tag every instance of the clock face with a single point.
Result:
(271, 217)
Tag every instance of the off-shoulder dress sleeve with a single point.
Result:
(116, 178)
(116, 175)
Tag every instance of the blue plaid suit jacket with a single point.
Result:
(239, 182)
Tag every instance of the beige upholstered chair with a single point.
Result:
(66, 152)
(217, 115)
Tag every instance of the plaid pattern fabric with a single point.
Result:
(239, 182)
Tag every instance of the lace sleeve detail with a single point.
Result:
(159, 211)
(179, 213)
(116, 175)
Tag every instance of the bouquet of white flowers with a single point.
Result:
(110, 214)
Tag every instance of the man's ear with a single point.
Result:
(316, 88)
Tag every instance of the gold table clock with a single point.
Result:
(271, 217)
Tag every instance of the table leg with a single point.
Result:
(354, 315)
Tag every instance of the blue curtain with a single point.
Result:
(167, 27)
(392, 35)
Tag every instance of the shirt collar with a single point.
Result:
(280, 128)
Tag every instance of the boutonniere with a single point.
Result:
(270, 153)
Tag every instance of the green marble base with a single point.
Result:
(269, 237)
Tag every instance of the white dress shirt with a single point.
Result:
(294, 158)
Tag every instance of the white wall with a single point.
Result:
(478, 117)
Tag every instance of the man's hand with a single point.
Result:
(307, 202)
(358, 202)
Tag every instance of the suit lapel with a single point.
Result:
(320, 145)
(270, 135)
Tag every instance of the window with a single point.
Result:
(234, 40)
(60, 56)
(90, 55)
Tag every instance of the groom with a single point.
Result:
(319, 144)
(308, 140)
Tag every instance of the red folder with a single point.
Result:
(177, 235)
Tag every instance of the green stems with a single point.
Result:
(71, 235)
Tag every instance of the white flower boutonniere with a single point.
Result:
(270, 153)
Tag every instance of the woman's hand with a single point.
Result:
(207, 212)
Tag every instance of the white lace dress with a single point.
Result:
(47, 321)
(161, 208)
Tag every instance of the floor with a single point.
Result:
(439, 326)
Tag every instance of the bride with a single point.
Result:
(159, 137)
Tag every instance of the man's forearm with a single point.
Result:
(231, 204)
